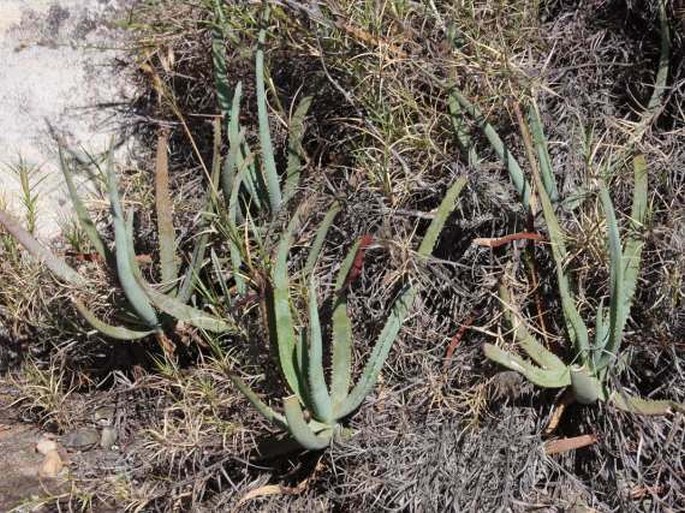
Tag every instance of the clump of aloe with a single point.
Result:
(587, 375)
(150, 310)
(328, 400)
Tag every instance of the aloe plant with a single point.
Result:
(154, 311)
(300, 351)
(587, 376)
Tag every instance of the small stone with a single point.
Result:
(104, 415)
(108, 437)
(45, 445)
(81, 439)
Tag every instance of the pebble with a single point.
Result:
(108, 437)
(81, 439)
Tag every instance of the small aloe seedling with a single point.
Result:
(154, 311)
(300, 352)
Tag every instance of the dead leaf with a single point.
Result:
(569, 444)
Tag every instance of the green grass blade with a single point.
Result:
(372, 369)
(57, 265)
(557, 378)
(84, 219)
(165, 224)
(320, 238)
(299, 428)
(534, 349)
(283, 322)
(515, 172)
(125, 255)
(115, 332)
(445, 209)
(295, 150)
(263, 408)
(271, 173)
(318, 390)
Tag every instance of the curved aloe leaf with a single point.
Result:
(263, 408)
(461, 129)
(515, 172)
(85, 221)
(295, 150)
(116, 332)
(544, 159)
(557, 378)
(223, 89)
(633, 404)
(284, 324)
(534, 349)
(320, 238)
(186, 313)
(270, 171)
(125, 256)
(341, 348)
(380, 352)
(299, 428)
(318, 390)
(576, 328)
(56, 264)
(446, 207)
(165, 225)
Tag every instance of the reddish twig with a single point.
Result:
(456, 340)
(495, 242)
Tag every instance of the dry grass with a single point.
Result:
(438, 434)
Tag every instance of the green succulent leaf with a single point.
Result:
(341, 347)
(186, 313)
(633, 404)
(515, 172)
(301, 431)
(57, 265)
(84, 219)
(116, 332)
(269, 413)
(320, 238)
(585, 386)
(540, 141)
(318, 390)
(271, 173)
(445, 209)
(295, 150)
(125, 256)
(534, 349)
(283, 322)
(556, 378)
(380, 352)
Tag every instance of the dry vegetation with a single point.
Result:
(444, 429)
